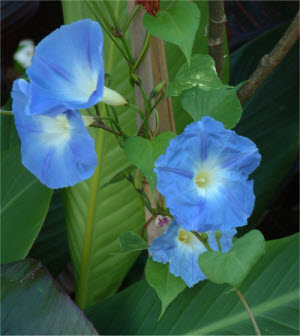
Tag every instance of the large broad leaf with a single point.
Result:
(9, 135)
(270, 117)
(51, 245)
(271, 290)
(32, 304)
(96, 218)
(131, 241)
(24, 204)
(176, 23)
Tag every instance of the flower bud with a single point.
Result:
(112, 97)
(204, 236)
(162, 221)
(155, 92)
(218, 234)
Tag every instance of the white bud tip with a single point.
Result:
(111, 97)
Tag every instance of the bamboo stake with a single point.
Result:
(151, 71)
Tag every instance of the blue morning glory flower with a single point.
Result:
(181, 249)
(67, 69)
(57, 150)
(204, 177)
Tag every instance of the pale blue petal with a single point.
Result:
(58, 151)
(225, 241)
(228, 158)
(185, 264)
(67, 67)
(162, 248)
(182, 258)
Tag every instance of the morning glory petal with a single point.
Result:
(67, 67)
(57, 150)
(203, 177)
(181, 249)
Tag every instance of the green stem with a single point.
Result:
(143, 52)
(108, 25)
(156, 123)
(127, 49)
(112, 15)
(118, 32)
(115, 114)
(107, 31)
(205, 243)
(146, 100)
(116, 125)
(121, 144)
(240, 295)
(157, 102)
(140, 112)
(97, 110)
(132, 15)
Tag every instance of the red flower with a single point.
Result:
(151, 6)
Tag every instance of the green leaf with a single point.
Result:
(131, 241)
(32, 304)
(51, 245)
(221, 104)
(201, 73)
(175, 59)
(9, 135)
(24, 205)
(143, 153)
(166, 285)
(177, 24)
(96, 218)
(234, 266)
(120, 176)
(271, 291)
(270, 118)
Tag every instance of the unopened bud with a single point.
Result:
(111, 97)
(204, 236)
(138, 183)
(218, 234)
(162, 221)
(89, 120)
(155, 92)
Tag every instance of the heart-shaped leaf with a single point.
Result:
(177, 24)
(201, 73)
(142, 153)
(234, 266)
(130, 241)
(166, 285)
(221, 104)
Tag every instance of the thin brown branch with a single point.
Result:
(244, 302)
(217, 19)
(100, 124)
(270, 61)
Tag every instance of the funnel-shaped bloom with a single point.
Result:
(181, 249)
(67, 69)
(57, 150)
(203, 177)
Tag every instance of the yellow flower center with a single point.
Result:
(185, 236)
(203, 179)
